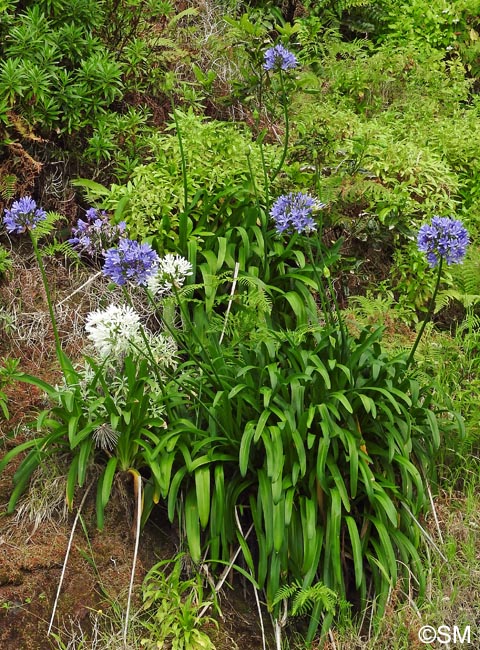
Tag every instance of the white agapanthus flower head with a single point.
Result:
(112, 330)
(172, 271)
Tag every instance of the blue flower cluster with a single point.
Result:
(96, 234)
(23, 215)
(294, 212)
(445, 238)
(130, 262)
(279, 58)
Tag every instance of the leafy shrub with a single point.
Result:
(438, 24)
(55, 73)
(217, 156)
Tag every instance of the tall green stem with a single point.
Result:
(183, 223)
(287, 128)
(46, 286)
(431, 307)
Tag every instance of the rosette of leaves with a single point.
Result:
(92, 418)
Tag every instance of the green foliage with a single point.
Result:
(215, 190)
(333, 439)
(387, 135)
(441, 25)
(173, 605)
(54, 72)
(98, 410)
(466, 284)
(279, 431)
(121, 141)
(305, 599)
(8, 374)
(5, 261)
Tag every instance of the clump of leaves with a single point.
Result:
(173, 604)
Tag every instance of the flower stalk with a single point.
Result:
(428, 315)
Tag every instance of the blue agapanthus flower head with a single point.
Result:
(23, 215)
(445, 238)
(294, 212)
(97, 233)
(279, 58)
(130, 262)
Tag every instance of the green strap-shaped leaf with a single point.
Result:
(202, 487)
(84, 460)
(192, 526)
(340, 483)
(108, 475)
(333, 557)
(173, 492)
(72, 481)
(356, 550)
(432, 419)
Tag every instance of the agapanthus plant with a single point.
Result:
(171, 273)
(96, 233)
(445, 239)
(294, 212)
(117, 331)
(279, 58)
(23, 215)
(130, 262)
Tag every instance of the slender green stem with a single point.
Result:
(148, 352)
(49, 299)
(192, 329)
(321, 289)
(284, 101)
(431, 307)
(266, 182)
(182, 227)
(193, 395)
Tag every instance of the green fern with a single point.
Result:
(60, 248)
(8, 187)
(304, 598)
(47, 226)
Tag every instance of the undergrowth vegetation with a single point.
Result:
(284, 201)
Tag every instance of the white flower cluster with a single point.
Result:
(112, 330)
(163, 349)
(172, 271)
(115, 332)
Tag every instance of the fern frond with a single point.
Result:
(467, 275)
(471, 323)
(191, 11)
(60, 248)
(8, 187)
(305, 599)
(47, 226)
(286, 592)
(466, 279)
